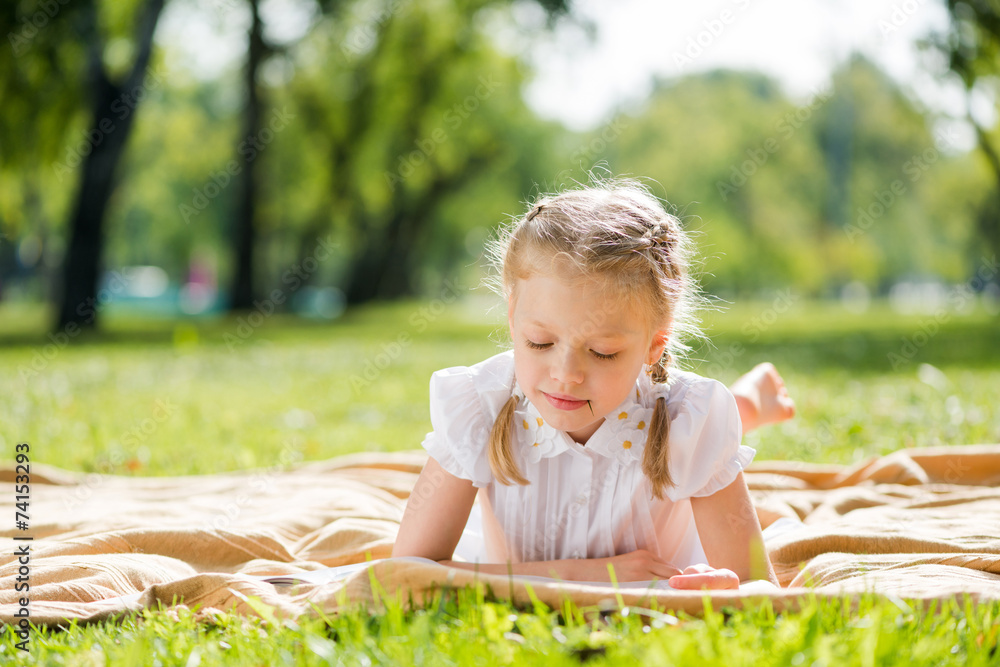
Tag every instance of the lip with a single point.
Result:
(563, 402)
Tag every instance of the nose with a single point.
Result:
(567, 368)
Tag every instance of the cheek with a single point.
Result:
(526, 370)
(617, 381)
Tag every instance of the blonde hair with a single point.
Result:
(618, 231)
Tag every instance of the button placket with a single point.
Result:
(603, 480)
(579, 509)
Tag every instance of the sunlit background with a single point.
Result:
(241, 235)
(827, 147)
(270, 215)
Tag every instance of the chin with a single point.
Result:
(572, 422)
(561, 421)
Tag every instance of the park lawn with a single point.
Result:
(193, 397)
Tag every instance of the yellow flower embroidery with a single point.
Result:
(630, 431)
(539, 439)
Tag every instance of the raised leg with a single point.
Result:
(762, 398)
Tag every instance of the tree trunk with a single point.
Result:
(248, 149)
(386, 267)
(382, 265)
(837, 142)
(989, 219)
(370, 264)
(114, 109)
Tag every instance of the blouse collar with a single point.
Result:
(622, 435)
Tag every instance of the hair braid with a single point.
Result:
(656, 457)
(500, 448)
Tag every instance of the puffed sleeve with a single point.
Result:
(461, 426)
(705, 433)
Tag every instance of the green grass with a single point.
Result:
(467, 628)
(167, 398)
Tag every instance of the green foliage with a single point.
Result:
(43, 82)
(186, 127)
(424, 121)
(970, 45)
(407, 135)
(814, 195)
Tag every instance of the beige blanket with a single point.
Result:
(920, 524)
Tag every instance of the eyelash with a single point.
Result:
(542, 346)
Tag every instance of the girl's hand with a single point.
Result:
(700, 576)
(640, 565)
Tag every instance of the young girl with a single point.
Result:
(586, 447)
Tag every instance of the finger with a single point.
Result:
(664, 571)
(698, 568)
(697, 582)
(715, 580)
(659, 568)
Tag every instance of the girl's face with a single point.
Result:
(574, 344)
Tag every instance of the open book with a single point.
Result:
(335, 574)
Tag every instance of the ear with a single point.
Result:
(657, 345)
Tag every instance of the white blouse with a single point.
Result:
(588, 501)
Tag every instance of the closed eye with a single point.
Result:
(544, 346)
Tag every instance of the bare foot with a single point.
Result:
(762, 398)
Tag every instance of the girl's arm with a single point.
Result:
(731, 537)
(638, 565)
(728, 525)
(438, 510)
(435, 514)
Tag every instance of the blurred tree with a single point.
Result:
(749, 182)
(874, 139)
(113, 90)
(181, 145)
(411, 104)
(972, 48)
(813, 195)
(114, 42)
(40, 94)
(328, 179)
(245, 237)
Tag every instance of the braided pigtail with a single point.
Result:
(501, 449)
(656, 458)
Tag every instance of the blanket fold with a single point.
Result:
(922, 524)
